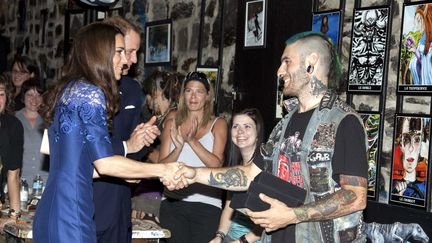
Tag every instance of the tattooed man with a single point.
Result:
(330, 162)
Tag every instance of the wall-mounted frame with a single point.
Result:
(212, 74)
(415, 68)
(372, 124)
(370, 34)
(75, 18)
(255, 24)
(409, 173)
(328, 23)
(158, 42)
(103, 12)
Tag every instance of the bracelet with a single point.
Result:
(243, 239)
(220, 234)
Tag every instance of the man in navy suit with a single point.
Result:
(112, 196)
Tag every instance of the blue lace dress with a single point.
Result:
(77, 137)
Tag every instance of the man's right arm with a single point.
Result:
(237, 178)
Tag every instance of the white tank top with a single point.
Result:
(196, 192)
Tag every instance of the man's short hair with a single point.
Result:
(123, 24)
(326, 49)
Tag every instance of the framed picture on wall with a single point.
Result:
(328, 23)
(158, 42)
(77, 20)
(409, 173)
(367, 65)
(372, 125)
(74, 20)
(212, 74)
(415, 68)
(255, 24)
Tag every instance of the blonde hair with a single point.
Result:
(182, 111)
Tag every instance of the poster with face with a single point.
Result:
(415, 66)
(372, 123)
(368, 49)
(409, 175)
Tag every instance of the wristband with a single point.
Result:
(243, 239)
(220, 234)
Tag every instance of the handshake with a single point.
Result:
(177, 175)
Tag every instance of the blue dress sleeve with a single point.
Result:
(92, 115)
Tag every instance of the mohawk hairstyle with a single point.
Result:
(335, 67)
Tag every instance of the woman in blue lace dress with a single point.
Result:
(79, 110)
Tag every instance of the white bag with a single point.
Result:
(44, 149)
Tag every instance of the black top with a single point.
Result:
(11, 147)
(349, 156)
(11, 142)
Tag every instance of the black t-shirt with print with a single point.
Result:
(349, 157)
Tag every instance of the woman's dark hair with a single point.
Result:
(7, 85)
(25, 63)
(234, 156)
(90, 59)
(171, 87)
(30, 84)
(150, 83)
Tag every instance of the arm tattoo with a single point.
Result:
(334, 205)
(353, 181)
(230, 178)
(326, 208)
(317, 86)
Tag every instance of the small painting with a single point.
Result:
(409, 175)
(329, 24)
(415, 66)
(158, 42)
(255, 24)
(368, 49)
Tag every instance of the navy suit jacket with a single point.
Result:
(112, 196)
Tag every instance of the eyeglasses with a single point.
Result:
(32, 95)
(200, 77)
(20, 72)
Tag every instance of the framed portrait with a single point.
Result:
(415, 68)
(255, 24)
(409, 173)
(158, 42)
(370, 34)
(212, 74)
(328, 23)
(372, 125)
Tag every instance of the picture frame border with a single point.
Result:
(168, 59)
(341, 15)
(371, 89)
(390, 196)
(216, 85)
(413, 90)
(263, 27)
(375, 195)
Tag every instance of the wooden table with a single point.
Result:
(143, 231)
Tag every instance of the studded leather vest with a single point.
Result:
(316, 153)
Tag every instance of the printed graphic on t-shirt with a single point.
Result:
(289, 160)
